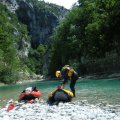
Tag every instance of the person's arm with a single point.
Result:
(64, 74)
(63, 83)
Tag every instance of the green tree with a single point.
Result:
(88, 32)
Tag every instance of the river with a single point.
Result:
(94, 91)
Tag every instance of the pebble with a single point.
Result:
(64, 111)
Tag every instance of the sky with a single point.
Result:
(66, 3)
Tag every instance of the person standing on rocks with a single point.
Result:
(68, 73)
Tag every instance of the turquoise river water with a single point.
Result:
(94, 91)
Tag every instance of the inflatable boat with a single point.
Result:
(59, 95)
(29, 94)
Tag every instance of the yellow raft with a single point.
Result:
(60, 95)
(65, 90)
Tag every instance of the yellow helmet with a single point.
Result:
(58, 74)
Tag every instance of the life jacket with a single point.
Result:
(70, 72)
(67, 72)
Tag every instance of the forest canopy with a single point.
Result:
(88, 34)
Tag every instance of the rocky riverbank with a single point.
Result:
(79, 110)
(102, 76)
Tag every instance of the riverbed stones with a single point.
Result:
(64, 111)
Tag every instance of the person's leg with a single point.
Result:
(72, 86)
(73, 82)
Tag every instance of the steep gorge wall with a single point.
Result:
(41, 19)
(40, 22)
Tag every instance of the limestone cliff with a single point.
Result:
(41, 18)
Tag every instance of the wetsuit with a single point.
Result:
(73, 78)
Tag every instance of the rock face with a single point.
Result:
(11, 4)
(41, 18)
(40, 21)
